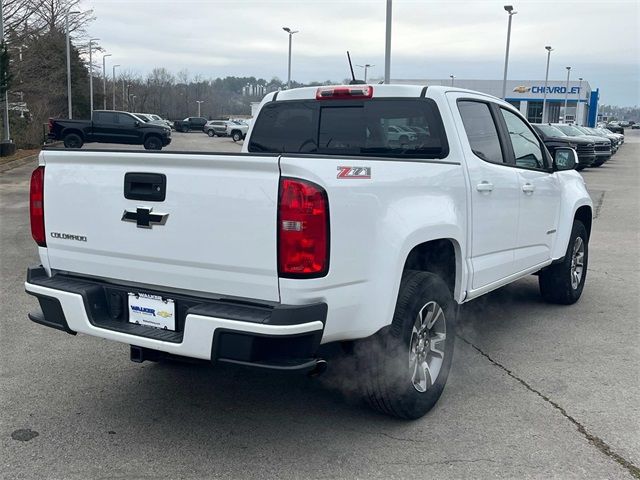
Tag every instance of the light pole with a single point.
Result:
(6, 138)
(91, 40)
(546, 80)
(123, 99)
(104, 81)
(566, 96)
(579, 119)
(290, 32)
(387, 44)
(366, 67)
(114, 86)
(199, 102)
(511, 12)
(452, 76)
(66, 27)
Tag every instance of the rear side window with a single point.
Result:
(481, 131)
(401, 128)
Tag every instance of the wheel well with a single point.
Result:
(584, 215)
(435, 256)
(77, 132)
(149, 135)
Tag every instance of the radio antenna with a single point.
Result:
(353, 75)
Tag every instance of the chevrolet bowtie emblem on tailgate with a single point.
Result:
(143, 218)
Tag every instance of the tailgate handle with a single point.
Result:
(151, 187)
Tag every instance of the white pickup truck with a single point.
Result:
(324, 229)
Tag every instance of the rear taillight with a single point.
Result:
(303, 229)
(346, 93)
(36, 206)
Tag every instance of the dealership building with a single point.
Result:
(527, 96)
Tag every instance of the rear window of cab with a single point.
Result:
(387, 127)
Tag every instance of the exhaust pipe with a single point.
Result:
(319, 369)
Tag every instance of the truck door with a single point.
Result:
(539, 193)
(494, 191)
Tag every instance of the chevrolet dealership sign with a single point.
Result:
(550, 89)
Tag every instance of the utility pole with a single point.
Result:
(123, 103)
(387, 45)
(579, 119)
(452, 77)
(6, 138)
(199, 102)
(104, 80)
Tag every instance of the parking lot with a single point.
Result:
(536, 390)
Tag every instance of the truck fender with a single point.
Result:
(575, 201)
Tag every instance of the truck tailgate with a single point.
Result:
(219, 235)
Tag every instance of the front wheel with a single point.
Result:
(211, 133)
(236, 136)
(563, 282)
(405, 366)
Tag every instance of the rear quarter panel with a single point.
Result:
(375, 223)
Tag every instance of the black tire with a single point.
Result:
(73, 140)
(185, 129)
(153, 142)
(384, 360)
(236, 136)
(211, 133)
(557, 282)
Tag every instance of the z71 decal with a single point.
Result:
(354, 172)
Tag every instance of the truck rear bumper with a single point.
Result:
(277, 336)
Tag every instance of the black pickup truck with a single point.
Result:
(190, 123)
(109, 126)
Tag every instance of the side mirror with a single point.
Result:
(565, 159)
(137, 124)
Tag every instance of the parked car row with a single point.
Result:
(594, 145)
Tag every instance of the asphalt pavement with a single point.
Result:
(536, 390)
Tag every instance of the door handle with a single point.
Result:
(484, 186)
(528, 188)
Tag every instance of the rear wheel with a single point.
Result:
(185, 129)
(404, 367)
(563, 282)
(153, 142)
(73, 140)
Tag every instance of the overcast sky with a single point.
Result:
(600, 40)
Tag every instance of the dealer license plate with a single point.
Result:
(152, 311)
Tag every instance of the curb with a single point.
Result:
(18, 163)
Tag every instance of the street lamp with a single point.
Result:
(104, 80)
(114, 85)
(579, 119)
(452, 76)
(290, 32)
(387, 44)
(91, 40)
(68, 41)
(511, 12)
(566, 96)
(546, 80)
(199, 102)
(366, 67)
(6, 137)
